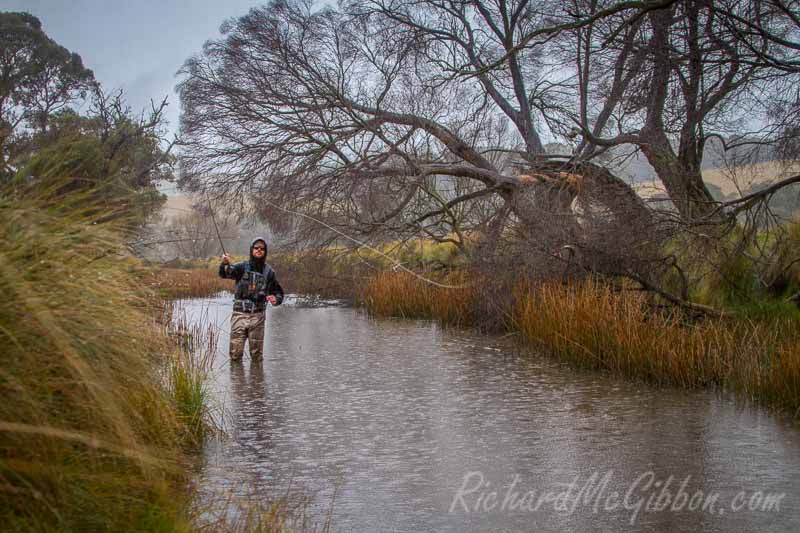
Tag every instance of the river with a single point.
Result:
(402, 425)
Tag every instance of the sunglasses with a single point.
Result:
(258, 248)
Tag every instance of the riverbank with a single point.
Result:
(104, 395)
(92, 435)
(178, 283)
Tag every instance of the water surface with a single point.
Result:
(419, 428)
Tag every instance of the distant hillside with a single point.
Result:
(631, 165)
(728, 185)
(748, 177)
(728, 174)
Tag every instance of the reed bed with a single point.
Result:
(402, 294)
(187, 372)
(194, 283)
(599, 327)
(257, 512)
(593, 325)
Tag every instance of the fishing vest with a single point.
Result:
(252, 288)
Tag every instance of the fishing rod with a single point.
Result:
(214, 220)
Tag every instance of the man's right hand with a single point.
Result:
(226, 259)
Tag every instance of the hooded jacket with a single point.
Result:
(255, 280)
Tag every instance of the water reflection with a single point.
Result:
(398, 413)
(252, 417)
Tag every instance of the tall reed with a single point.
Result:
(402, 294)
(598, 326)
(187, 372)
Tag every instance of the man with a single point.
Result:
(255, 286)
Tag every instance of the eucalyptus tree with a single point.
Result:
(38, 77)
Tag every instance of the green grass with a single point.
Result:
(104, 395)
(105, 398)
(187, 374)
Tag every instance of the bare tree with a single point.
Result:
(665, 84)
(326, 112)
(428, 118)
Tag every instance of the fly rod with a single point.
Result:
(214, 220)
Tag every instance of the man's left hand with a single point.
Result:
(272, 299)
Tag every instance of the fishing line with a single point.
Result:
(367, 246)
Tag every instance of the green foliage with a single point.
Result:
(119, 159)
(66, 150)
(188, 376)
(43, 139)
(784, 271)
(732, 282)
(37, 78)
(767, 309)
(750, 275)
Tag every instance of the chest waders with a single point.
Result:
(247, 321)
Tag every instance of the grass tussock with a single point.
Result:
(257, 512)
(90, 438)
(595, 326)
(104, 392)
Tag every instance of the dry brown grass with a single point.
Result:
(328, 274)
(90, 439)
(401, 294)
(195, 283)
(602, 328)
(742, 178)
(733, 181)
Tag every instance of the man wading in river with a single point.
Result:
(255, 286)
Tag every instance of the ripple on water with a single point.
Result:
(395, 413)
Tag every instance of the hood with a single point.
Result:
(253, 243)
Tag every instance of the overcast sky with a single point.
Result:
(136, 45)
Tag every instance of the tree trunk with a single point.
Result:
(682, 180)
